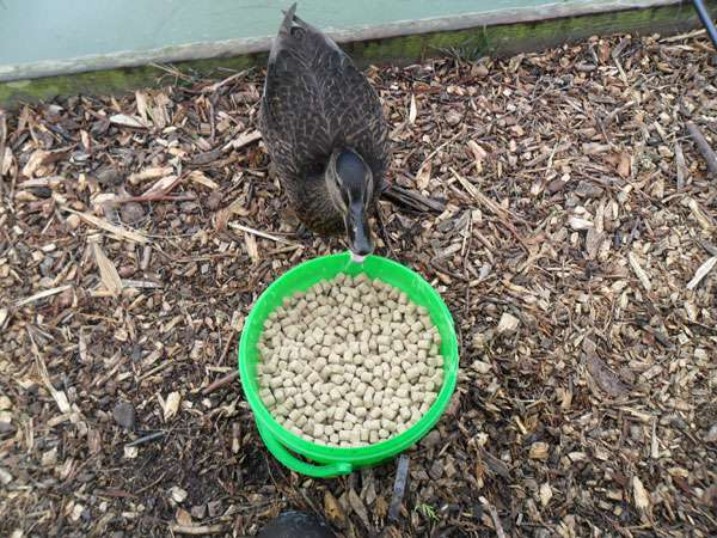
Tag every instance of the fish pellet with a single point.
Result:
(349, 362)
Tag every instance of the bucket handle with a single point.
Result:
(295, 464)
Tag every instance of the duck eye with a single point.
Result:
(298, 32)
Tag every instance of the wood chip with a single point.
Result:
(508, 323)
(43, 294)
(243, 140)
(108, 273)
(639, 272)
(153, 172)
(702, 272)
(197, 176)
(413, 111)
(640, 495)
(125, 120)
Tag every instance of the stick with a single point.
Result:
(704, 147)
(42, 294)
(702, 271)
(258, 233)
(198, 530)
(496, 520)
(221, 382)
(154, 198)
(146, 439)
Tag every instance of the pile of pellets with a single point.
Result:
(350, 362)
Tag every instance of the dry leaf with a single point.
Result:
(108, 273)
(624, 165)
(546, 493)
(333, 510)
(359, 508)
(606, 379)
(423, 176)
(124, 120)
(593, 240)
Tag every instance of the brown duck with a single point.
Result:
(326, 134)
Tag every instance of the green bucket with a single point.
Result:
(327, 461)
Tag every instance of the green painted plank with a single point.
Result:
(469, 44)
(54, 37)
(62, 29)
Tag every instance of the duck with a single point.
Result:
(325, 132)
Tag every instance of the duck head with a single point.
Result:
(350, 183)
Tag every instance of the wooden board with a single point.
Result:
(513, 32)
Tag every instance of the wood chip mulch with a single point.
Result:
(577, 252)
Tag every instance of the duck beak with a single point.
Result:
(358, 231)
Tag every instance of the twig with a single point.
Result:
(146, 439)
(617, 51)
(159, 197)
(221, 382)
(42, 294)
(496, 520)
(683, 37)
(106, 226)
(247, 229)
(214, 87)
(198, 530)
(704, 147)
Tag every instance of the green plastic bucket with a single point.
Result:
(327, 461)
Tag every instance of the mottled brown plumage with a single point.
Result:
(317, 103)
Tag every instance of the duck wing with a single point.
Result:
(315, 99)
